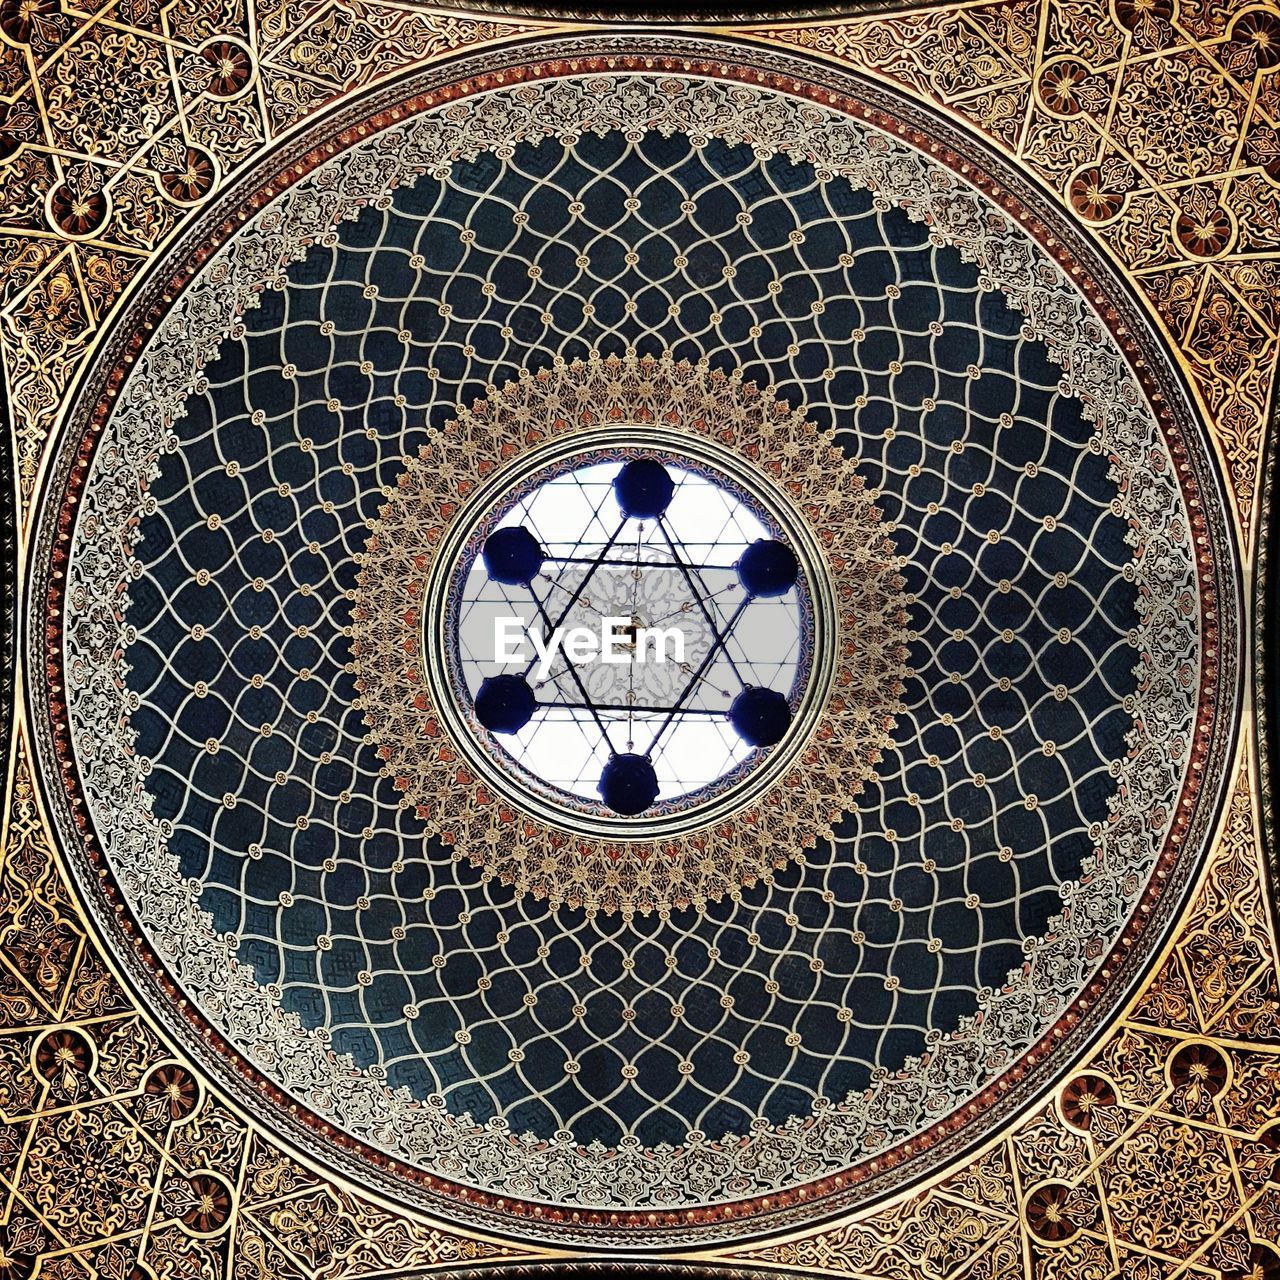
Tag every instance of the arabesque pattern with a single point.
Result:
(656, 874)
(1156, 124)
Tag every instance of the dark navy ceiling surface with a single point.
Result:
(1019, 641)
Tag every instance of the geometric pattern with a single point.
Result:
(1174, 1170)
(878, 1033)
(1192, 1068)
(588, 574)
(1218, 992)
(1165, 144)
(635, 871)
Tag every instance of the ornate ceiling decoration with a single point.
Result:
(334, 959)
(686, 859)
(1039, 769)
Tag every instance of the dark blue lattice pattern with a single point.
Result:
(443, 984)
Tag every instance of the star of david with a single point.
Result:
(676, 626)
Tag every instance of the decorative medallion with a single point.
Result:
(706, 841)
(634, 953)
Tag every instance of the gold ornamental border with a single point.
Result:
(784, 807)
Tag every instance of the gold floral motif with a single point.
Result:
(114, 1155)
(1170, 1163)
(1178, 93)
(403, 709)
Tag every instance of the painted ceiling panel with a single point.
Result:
(917, 921)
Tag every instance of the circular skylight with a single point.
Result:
(630, 631)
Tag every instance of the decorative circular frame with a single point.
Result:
(451, 609)
(1095, 371)
(694, 855)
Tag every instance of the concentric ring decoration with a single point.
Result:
(788, 1034)
(717, 848)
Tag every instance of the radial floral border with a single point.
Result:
(845, 739)
(1094, 370)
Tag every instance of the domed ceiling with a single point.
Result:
(694, 343)
(985, 798)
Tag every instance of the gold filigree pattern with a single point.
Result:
(115, 1157)
(96, 118)
(1218, 986)
(403, 707)
(1168, 1170)
(1177, 104)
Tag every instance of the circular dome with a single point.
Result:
(800, 980)
(668, 635)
